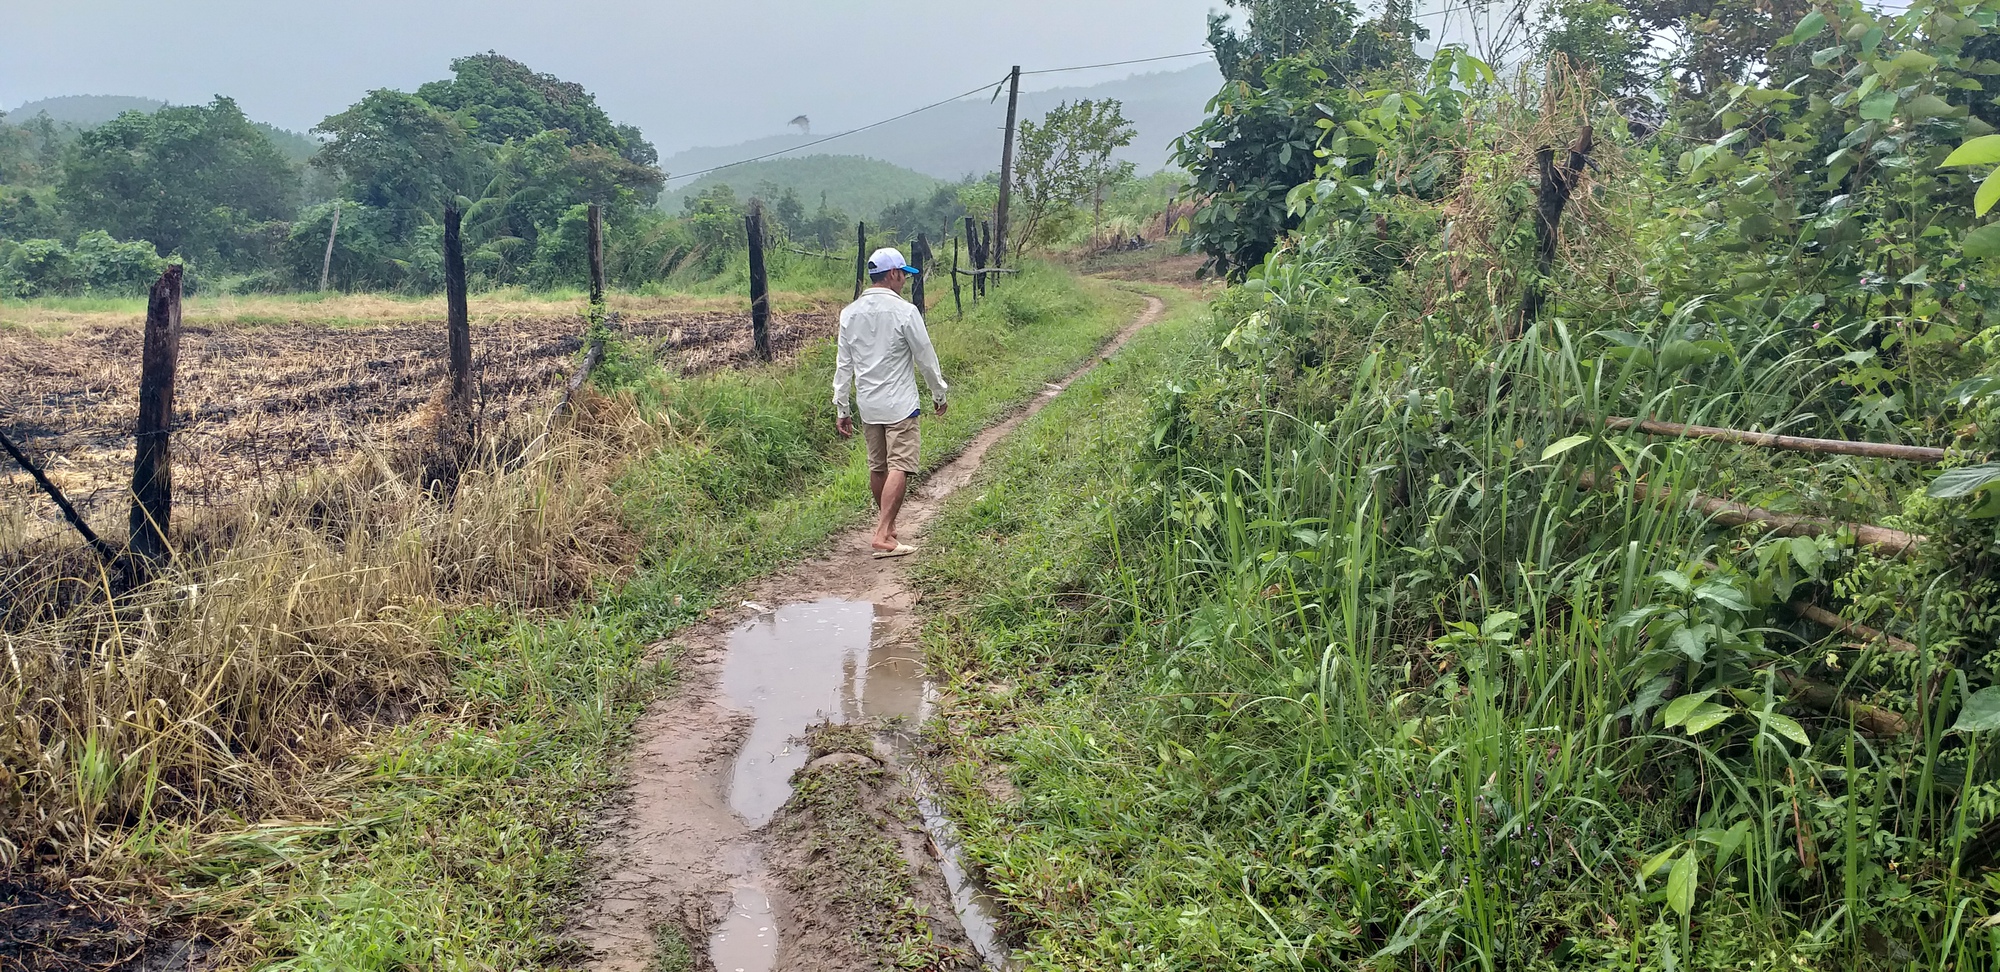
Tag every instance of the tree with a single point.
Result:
(198, 180)
(398, 153)
(1327, 34)
(1721, 42)
(1067, 158)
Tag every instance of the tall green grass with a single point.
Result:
(1322, 657)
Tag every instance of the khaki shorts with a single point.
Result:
(892, 446)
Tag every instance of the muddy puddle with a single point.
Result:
(792, 667)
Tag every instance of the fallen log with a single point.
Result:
(1827, 619)
(1893, 543)
(1768, 440)
(1871, 719)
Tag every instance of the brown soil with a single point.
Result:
(256, 404)
(674, 850)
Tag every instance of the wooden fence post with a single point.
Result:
(972, 253)
(458, 322)
(987, 258)
(920, 257)
(955, 301)
(596, 314)
(760, 299)
(152, 462)
(596, 256)
(860, 257)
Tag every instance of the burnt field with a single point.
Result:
(257, 406)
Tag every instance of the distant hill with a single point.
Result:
(89, 111)
(83, 111)
(857, 186)
(963, 138)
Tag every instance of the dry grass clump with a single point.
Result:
(282, 629)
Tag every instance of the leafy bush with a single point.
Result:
(97, 264)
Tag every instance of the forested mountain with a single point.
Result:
(83, 111)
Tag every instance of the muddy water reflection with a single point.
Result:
(799, 665)
(747, 939)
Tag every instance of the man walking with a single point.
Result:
(882, 338)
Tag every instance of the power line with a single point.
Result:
(936, 104)
(829, 138)
(1137, 60)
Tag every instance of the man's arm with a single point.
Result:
(926, 358)
(843, 383)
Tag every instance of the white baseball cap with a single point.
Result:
(889, 258)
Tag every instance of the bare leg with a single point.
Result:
(891, 499)
(875, 485)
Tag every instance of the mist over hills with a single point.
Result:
(80, 112)
(963, 138)
(853, 184)
(83, 111)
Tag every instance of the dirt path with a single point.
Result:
(679, 856)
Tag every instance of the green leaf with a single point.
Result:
(1823, 55)
(1785, 726)
(1681, 883)
(1984, 150)
(1879, 107)
(1953, 483)
(1989, 193)
(1928, 106)
(1731, 840)
(1707, 716)
(1561, 446)
(1981, 712)
(1809, 27)
(1806, 554)
(1677, 711)
(1657, 861)
(1982, 243)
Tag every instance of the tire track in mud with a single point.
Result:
(676, 855)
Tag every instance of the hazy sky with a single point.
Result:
(687, 73)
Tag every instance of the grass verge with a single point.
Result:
(1018, 558)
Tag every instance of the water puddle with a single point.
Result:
(747, 939)
(803, 664)
(978, 913)
(794, 667)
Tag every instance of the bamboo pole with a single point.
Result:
(1894, 543)
(1768, 440)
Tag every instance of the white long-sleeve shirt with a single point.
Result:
(882, 342)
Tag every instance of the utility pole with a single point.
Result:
(326, 265)
(1006, 168)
